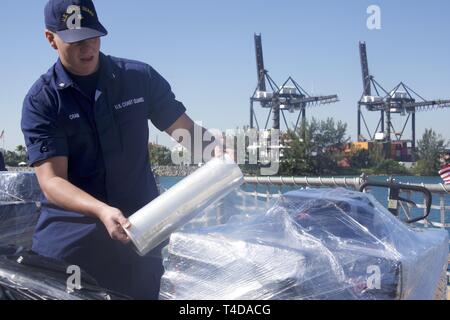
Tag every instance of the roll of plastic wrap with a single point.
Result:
(154, 223)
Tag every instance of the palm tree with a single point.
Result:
(21, 150)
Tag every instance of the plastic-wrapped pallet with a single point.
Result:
(19, 186)
(19, 208)
(312, 244)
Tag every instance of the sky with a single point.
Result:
(205, 49)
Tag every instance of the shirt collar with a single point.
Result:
(63, 79)
(106, 67)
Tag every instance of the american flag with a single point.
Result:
(445, 173)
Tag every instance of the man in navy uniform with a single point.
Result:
(2, 163)
(85, 124)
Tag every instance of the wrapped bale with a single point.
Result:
(19, 186)
(312, 244)
(19, 208)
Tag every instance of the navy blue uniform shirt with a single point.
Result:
(105, 138)
(87, 84)
(2, 163)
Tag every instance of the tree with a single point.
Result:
(13, 158)
(429, 149)
(297, 159)
(388, 166)
(21, 150)
(159, 155)
(360, 159)
(376, 155)
(321, 150)
(374, 162)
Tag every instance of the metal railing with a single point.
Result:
(269, 188)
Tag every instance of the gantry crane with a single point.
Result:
(289, 97)
(402, 100)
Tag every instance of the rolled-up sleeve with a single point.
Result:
(164, 109)
(43, 135)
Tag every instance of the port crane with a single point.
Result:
(401, 100)
(289, 97)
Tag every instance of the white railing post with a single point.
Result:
(442, 209)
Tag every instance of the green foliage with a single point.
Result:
(374, 162)
(250, 169)
(388, 166)
(13, 158)
(360, 159)
(315, 149)
(429, 149)
(376, 155)
(160, 155)
(422, 169)
(297, 159)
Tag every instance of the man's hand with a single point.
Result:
(115, 223)
(52, 176)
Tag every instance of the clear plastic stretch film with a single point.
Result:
(326, 244)
(19, 208)
(156, 221)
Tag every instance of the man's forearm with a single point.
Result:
(67, 196)
(201, 150)
(191, 138)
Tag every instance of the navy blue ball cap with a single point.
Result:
(73, 20)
